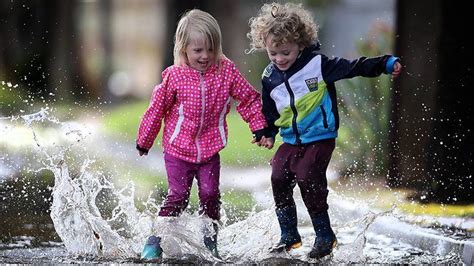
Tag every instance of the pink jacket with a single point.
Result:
(194, 107)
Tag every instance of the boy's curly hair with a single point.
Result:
(288, 23)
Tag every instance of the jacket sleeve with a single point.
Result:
(161, 101)
(249, 103)
(337, 68)
(270, 111)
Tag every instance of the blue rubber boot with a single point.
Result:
(210, 241)
(290, 238)
(152, 250)
(325, 240)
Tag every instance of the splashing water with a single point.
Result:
(84, 228)
(119, 232)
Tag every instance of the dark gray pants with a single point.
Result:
(306, 166)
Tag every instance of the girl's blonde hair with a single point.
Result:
(288, 23)
(196, 22)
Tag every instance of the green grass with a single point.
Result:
(123, 122)
(439, 210)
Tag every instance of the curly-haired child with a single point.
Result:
(299, 101)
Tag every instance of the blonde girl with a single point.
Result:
(193, 101)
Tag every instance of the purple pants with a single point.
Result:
(306, 166)
(180, 180)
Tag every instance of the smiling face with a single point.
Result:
(282, 55)
(199, 53)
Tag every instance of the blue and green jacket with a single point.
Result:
(301, 101)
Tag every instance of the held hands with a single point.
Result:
(397, 69)
(265, 142)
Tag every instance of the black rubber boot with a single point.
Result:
(325, 238)
(290, 238)
(210, 241)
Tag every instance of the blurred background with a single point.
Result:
(100, 60)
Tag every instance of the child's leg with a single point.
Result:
(180, 179)
(283, 180)
(283, 183)
(209, 199)
(311, 176)
(208, 185)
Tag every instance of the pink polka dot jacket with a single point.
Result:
(194, 106)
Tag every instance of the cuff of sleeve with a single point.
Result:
(259, 134)
(142, 149)
(390, 63)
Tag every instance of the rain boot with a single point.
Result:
(290, 238)
(210, 241)
(325, 238)
(152, 250)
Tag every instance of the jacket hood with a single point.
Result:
(314, 47)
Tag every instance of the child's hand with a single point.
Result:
(265, 142)
(397, 69)
(268, 142)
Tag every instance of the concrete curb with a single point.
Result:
(424, 238)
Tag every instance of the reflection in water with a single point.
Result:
(96, 221)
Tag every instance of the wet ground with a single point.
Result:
(28, 237)
(389, 251)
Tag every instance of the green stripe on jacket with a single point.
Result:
(304, 105)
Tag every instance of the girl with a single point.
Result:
(193, 100)
(299, 100)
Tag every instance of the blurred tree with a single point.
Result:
(39, 49)
(101, 89)
(26, 28)
(65, 67)
(431, 136)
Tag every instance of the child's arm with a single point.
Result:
(249, 106)
(161, 100)
(335, 69)
(270, 112)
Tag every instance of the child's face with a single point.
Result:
(282, 55)
(198, 53)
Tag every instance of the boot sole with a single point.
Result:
(321, 255)
(281, 248)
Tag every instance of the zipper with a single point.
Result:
(325, 118)
(293, 108)
(203, 105)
